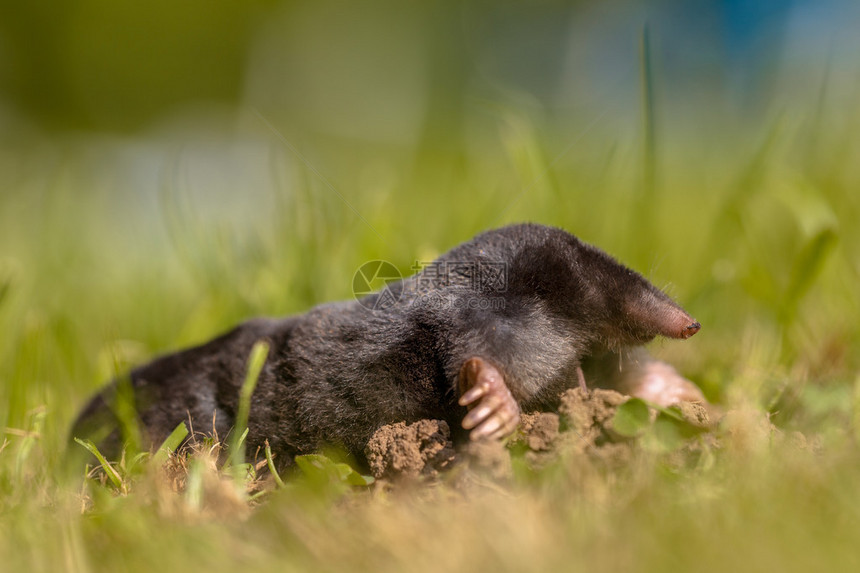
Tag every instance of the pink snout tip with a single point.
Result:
(690, 330)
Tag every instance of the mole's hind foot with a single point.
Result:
(493, 412)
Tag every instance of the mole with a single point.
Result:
(498, 325)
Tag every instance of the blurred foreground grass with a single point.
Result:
(758, 238)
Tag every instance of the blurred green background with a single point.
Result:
(169, 169)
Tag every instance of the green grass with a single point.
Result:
(760, 243)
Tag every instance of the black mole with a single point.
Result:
(499, 324)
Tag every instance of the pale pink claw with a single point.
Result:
(493, 412)
(473, 395)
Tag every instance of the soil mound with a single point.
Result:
(583, 424)
(410, 450)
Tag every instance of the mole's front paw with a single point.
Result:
(493, 412)
(658, 382)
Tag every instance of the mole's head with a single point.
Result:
(607, 303)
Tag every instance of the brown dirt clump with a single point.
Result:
(583, 426)
(695, 414)
(410, 450)
(588, 414)
(424, 448)
(540, 430)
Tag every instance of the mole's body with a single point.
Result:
(498, 324)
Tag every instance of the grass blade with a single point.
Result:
(111, 473)
(255, 365)
(271, 463)
(169, 445)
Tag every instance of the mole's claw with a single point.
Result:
(477, 415)
(506, 429)
(473, 395)
(486, 429)
(501, 423)
(493, 412)
(489, 405)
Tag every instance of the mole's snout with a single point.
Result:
(675, 323)
(691, 330)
